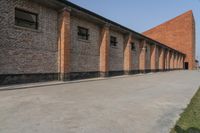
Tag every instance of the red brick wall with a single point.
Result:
(178, 33)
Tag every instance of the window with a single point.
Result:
(146, 49)
(113, 41)
(26, 19)
(83, 33)
(133, 48)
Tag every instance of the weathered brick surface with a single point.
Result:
(161, 58)
(24, 50)
(104, 50)
(142, 59)
(135, 55)
(84, 53)
(167, 59)
(178, 33)
(148, 57)
(64, 42)
(128, 53)
(154, 57)
(55, 51)
(171, 60)
(116, 59)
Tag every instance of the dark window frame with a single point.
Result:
(81, 34)
(113, 41)
(146, 49)
(133, 47)
(26, 21)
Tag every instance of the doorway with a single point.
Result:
(186, 66)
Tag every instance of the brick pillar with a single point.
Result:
(104, 51)
(178, 62)
(182, 62)
(127, 54)
(153, 49)
(161, 59)
(170, 57)
(142, 59)
(174, 64)
(177, 66)
(165, 59)
(168, 60)
(175, 60)
(64, 44)
(172, 60)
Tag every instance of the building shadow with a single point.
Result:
(189, 130)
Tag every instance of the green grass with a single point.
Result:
(189, 121)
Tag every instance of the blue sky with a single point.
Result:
(141, 15)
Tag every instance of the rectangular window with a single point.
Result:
(133, 48)
(146, 49)
(26, 19)
(113, 41)
(83, 33)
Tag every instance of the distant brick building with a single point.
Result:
(58, 40)
(178, 33)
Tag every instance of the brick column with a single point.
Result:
(175, 61)
(153, 49)
(165, 59)
(104, 51)
(170, 57)
(172, 60)
(182, 62)
(142, 59)
(64, 44)
(174, 64)
(161, 59)
(178, 62)
(168, 60)
(127, 54)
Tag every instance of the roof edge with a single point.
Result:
(70, 4)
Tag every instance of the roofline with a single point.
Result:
(70, 4)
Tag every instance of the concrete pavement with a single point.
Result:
(131, 104)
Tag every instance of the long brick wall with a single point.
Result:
(55, 52)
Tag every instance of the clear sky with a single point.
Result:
(141, 15)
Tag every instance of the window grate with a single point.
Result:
(26, 19)
(113, 41)
(83, 33)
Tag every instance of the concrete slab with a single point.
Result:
(144, 104)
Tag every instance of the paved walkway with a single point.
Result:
(131, 104)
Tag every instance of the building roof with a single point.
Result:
(72, 5)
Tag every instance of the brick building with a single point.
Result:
(178, 33)
(58, 40)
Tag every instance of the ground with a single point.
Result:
(143, 104)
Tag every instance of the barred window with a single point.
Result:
(133, 48)
(26, 19)
(83, 33)
(113, 41)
